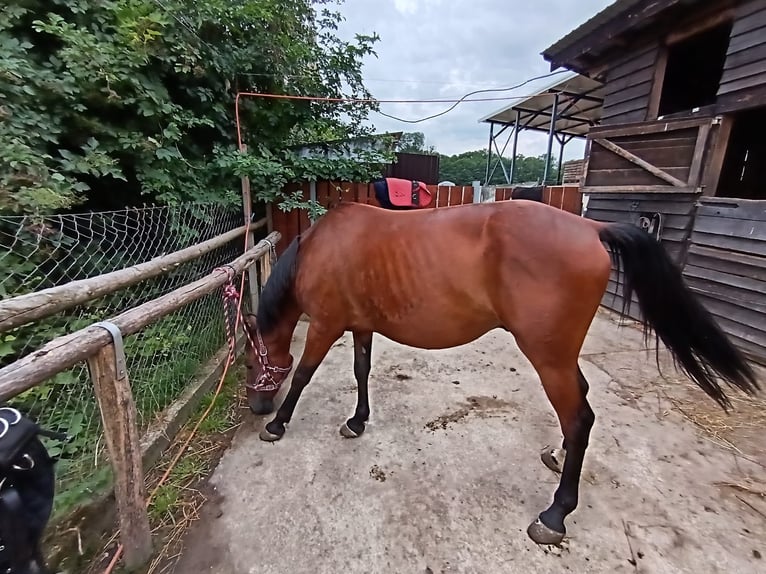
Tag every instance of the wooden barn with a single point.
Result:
(681, 145)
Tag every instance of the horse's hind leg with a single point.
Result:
(354, 426)
(318, 343)
(553, 457)
(565, 387)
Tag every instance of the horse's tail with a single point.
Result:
(675, 314)
(278, 290)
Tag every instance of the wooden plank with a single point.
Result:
(120, 423)
(639, 103)
(755, 54)
(749, 22)
(720, 143)
(636, 91)
(744, 228)
(658, 78)
(754, 97)
(631, 176)
(731, 304)
(670, 206)
(686, 136)
(733, 208)
(634, 63)
(456, 195)
(636, 189)
(733, 75)
(748, 7)
(728, 262)
(731, 243)
(443, 197)
(644, 128)
(756, 80)
(620, 84)
(64, 352)
(746, 41)
(360, 192)
(749, 288)
(323, 194)
(621, 119)
(658, 142)
(279, 225)
(662, 157)
(695, 170)
(303, 215)
(655, 171)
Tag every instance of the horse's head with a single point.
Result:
(268, 361)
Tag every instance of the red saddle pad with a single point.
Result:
(400, 192)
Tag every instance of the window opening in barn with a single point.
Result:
(693, 70)
(743, 174)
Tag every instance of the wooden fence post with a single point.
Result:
(118, 413)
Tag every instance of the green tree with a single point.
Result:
(414, 142)
(117, 102)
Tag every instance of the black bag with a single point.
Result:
(27, 486)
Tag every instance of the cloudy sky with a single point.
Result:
(446, 48)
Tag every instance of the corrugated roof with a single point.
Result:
(575, 118)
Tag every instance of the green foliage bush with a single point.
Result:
(120, 102)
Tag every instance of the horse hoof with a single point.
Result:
(554, 458)
(541, 534)
(267, 436)
(346, 431)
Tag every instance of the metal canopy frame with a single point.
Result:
(565, 110)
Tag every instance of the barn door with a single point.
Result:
(661, 156)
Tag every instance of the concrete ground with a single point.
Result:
(448, 475)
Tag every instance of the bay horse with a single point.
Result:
(439, 278)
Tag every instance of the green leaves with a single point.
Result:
(118, 96)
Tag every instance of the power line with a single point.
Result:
(454, 105)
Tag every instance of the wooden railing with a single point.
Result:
(101, 345)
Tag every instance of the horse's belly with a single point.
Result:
(430, 328)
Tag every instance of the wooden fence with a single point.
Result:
(331, 193)
(101, 346)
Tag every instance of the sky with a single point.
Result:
(447, 48)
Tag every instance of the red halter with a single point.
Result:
(271, 376)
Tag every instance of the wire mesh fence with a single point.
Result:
(36, 253)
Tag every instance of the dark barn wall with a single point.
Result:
(745, 68)
(628, 86)
(726, 267)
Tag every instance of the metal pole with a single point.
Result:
(513, 152)
(489, 151)
(559, 175)
(550, 137)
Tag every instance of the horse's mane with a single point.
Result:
(278, 289)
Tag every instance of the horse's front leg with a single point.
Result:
(318, 343)
(354, 426)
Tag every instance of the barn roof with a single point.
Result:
(579, 107)
(608, 30)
